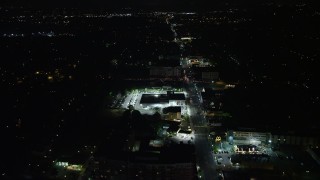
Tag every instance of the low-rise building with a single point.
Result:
(248, 137)
(172, 112)
(169, 99)
(165, 71)
(176, 161)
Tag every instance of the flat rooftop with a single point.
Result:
(161, 98)
(177, 96)
(154, 98)
(173, 109)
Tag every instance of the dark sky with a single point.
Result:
(153, 5)
(112, 3)
(138, 3)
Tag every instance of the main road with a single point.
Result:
(198, 122)
(203, 149)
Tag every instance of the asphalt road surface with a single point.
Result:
(203, 150)
(198, 122)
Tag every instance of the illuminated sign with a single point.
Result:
(218, 138)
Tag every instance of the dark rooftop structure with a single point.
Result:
(165, 71)
(154, 98)
(210, 93)
(176, 161)
(172, 109)
(182, 153)
(175, 96)
(185, 131)
(161, 98)
(179, 96)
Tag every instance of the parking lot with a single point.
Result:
(133, 98)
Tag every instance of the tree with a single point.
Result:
(136, 115)
(130, 107)
(156, 116)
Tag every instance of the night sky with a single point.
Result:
(166, 4)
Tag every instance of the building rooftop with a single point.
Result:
(172, 109)
(175, 153)
(154, 98)
(161, 98)
(175, 96)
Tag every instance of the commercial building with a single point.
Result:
(212, 99)
(172, 112)
(248, 137)
(165, 71)
(295, 139)
(205, 73)
(176, 161)
(176, 99)
(169, 99)
(256, 138)
(210, 76)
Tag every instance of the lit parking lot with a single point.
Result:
(183, 138)
(133, 98)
